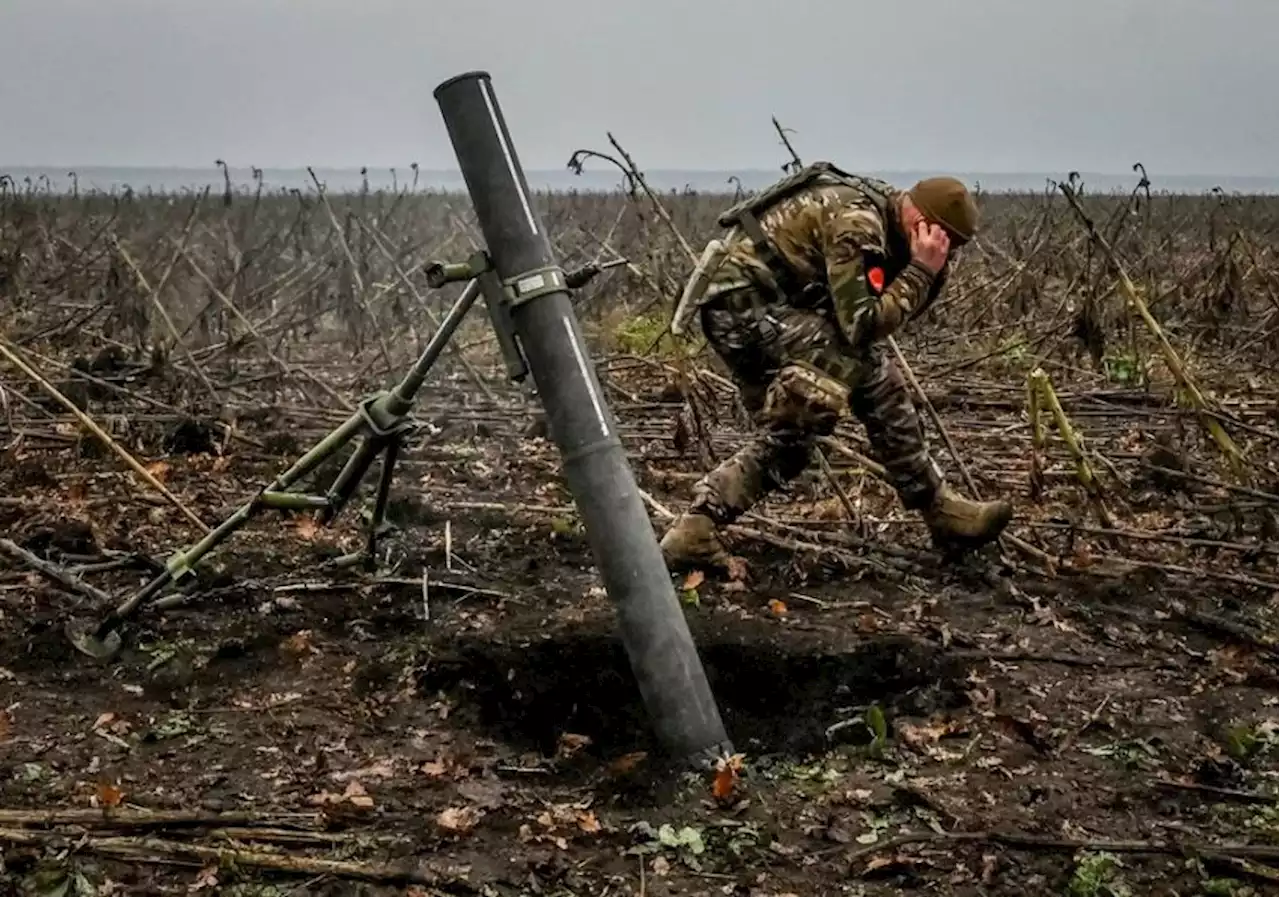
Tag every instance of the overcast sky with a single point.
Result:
(1185, 86)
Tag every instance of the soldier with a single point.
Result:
(799, 301)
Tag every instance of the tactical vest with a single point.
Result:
(746, 215)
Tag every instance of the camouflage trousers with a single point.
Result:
(797, 374)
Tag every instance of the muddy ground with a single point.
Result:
(465, 722)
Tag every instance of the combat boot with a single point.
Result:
(693, 541)
(958, 522)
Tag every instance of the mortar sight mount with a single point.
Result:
(380, 423)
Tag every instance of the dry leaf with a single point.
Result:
(109, 795)
(868, 623)
(777, 608)
(434, 769)
(693, 580)
(103, 720)
(990, 862)
(737, 568)
(158, 469)
(982, 699)
(5, 725)
(299, 643)
(627, 763)
(356, 795)
(920, 736)
(571, 744)
(588, 822)
(382, 769)
(208, 878)
(307, 528)
(458, 820)
(726, 779)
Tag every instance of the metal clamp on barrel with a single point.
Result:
(531, 284)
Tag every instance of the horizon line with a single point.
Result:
(1154, 175)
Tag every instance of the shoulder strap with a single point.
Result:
(757, 203)
(746, 213)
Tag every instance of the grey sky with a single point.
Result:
(1185, 86)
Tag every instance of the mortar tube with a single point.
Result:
(653, 628)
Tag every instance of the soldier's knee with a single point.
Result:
(803, 397)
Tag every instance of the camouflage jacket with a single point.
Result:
(845, 242)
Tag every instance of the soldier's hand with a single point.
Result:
(929, 246)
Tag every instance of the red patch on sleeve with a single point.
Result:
(875, 277)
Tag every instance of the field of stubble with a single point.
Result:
(1089, 711)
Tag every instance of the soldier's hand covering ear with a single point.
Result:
(853, 241)
(930, 246)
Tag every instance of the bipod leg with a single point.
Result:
(102, 642)
(381, 419)
(386, 416)
(368, 557)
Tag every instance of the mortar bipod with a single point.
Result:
(380, 422)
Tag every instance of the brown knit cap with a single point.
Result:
(948, 203)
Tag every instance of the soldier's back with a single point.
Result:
(803, 225)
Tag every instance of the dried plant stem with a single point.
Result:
(1021, 545)
(55, 573)
(248, 325)
(1040, 389)
(154, 295)
(1174, 363)
(355, 268)
(657, 206)
(451, 347)
(102, 435)
(161, 850)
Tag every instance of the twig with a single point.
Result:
(854, 517)
(1226, 794)
(657, 206)
(58, 575)
(140, 818)
(102, 435)
(795, 157)
(1174, 538)
(159, 850)
(1038, 842)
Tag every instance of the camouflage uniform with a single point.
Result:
(800, 360)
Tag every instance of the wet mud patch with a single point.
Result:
(779, 692)
(37, 643)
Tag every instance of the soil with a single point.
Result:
(464, 720)
(1088, 710)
